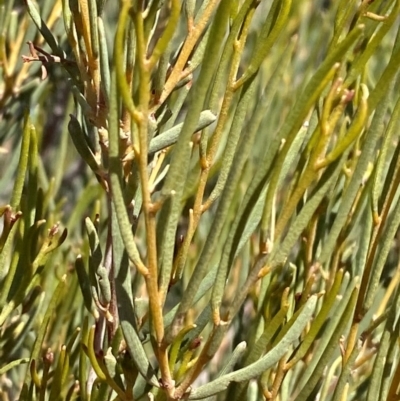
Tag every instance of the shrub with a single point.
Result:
(200, 200)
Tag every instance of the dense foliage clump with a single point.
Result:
(199, 200)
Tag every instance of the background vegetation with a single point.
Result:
(199, 200)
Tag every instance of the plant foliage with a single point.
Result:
(199, 200)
